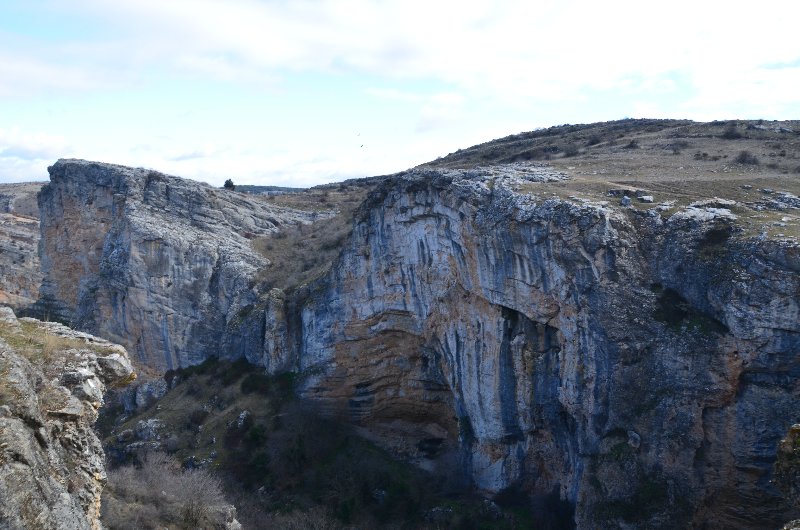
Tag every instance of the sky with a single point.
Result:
(304, 92)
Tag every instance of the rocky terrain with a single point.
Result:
(20, 274)
(604, 315)
(159, 264)
(52, 380)
(641, 365)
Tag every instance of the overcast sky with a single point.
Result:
(306, 92)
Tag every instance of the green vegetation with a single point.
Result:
(651, 496)
(787, 466)
(281, 461)
(641, 502)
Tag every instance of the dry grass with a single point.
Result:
(37, 344)
(8, 392)
(158, 494)
(301, 253)
(52, 398)
(676, 161)
(46, 351)
(341, 197)
(298, 254)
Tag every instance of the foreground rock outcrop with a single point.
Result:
(640, 364)
(52, 381)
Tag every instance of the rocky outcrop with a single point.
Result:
(52, 381)
(156, 263)
(20, 275)
(639, 366)
(644, 368)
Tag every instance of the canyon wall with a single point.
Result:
(645, 368)
(52, 380)
(641, 366)
(159, 264)
(20, 274)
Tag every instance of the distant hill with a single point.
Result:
(267, 190)
(619, 140)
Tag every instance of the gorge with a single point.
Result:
(515, 321)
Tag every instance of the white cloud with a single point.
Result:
(520, 49)
(15, 143)
(26, 155)
(478, 69)
(20, 170)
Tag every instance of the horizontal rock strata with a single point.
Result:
(641, 366)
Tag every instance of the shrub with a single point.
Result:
(731, 133)
(571, 150)
(159, 494)
(304, 520)
(256, 382)
(746, 158)
(198, 416)
(633, 144)
(229, 185)
(231, 372)
(256, 435)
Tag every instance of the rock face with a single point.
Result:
(20, 275)
(51, 462)
(641, 367)
(156, 263)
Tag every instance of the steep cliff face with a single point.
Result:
(20, 275)
(52, 381)
(643, 368)
(641, 363)
(159, 264)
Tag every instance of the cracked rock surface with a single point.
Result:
(52, 380)
(156, 263)
(641, 365)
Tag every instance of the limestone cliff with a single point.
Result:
(645, 367)
(156, 263)
(641, 363)
(20, 275)
(52, 381)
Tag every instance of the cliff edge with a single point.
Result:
(52, 381)
(628, 346)
(156, 263)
